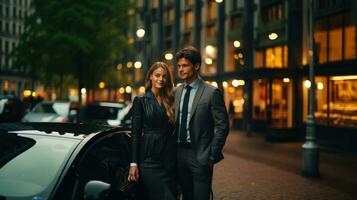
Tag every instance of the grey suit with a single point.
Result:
(208, 129)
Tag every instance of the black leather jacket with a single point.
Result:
(151, 129)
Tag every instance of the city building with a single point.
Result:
(13, 79)
(258, 53)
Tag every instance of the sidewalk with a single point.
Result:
(256, 169)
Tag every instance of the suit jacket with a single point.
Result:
(151, 129)
(208, 124)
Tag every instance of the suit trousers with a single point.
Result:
(195, 179)
(159, 182)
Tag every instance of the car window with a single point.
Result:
(33, 172)
(2, 104)
(59, 108)
(44, 108)
(101, 112)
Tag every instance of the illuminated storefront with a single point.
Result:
(272, 101)
(336, 100)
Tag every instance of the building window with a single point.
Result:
(281, 108)
(211, 10)
(170, 15)
(260, 99)
(188, 19)
(154, 3)
(335, 102)
(273, 57)
(335, 38)
(273, 12)
(235, 22)
(234, 96)
(188, 2)
(211, 31)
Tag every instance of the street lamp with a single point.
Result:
(310, 153)
(140, 33)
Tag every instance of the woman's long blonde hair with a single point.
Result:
(165, 94)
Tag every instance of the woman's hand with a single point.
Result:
(133, 174)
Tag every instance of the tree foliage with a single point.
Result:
(73, 37)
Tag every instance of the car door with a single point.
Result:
(106, 160)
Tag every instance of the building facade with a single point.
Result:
(258, 53)
(13, 79)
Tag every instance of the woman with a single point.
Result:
(153, 145)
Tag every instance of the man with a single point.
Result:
(202, 127)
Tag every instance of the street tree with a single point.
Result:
(76, 38)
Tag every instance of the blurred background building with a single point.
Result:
(257, 52)
(12, 79)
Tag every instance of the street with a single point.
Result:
(256, 169)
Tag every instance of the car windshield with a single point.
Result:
(30, 164)
(98, 112)
(59, 108)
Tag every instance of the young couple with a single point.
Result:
(178, 134)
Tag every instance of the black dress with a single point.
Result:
(154, 147)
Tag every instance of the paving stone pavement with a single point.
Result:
(239, 178)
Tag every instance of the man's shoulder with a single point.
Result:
(177, 88)
(209, 88)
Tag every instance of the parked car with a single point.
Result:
(49, 111)
(11, 109)
(64, 161)
(106, 113)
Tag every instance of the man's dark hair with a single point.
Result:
(190, 53)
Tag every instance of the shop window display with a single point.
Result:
(336, 101)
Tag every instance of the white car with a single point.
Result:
(49, 111)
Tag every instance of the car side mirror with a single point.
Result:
(96, 190)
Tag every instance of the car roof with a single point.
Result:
(107, 104)
(58, 129)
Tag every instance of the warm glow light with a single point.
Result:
(273, 36)
(140, 33)
(130, 41)
(235, 83)
(83, 91)
(128, 89)
(142, 90)
(307, 84)
(286, 80)
(119, 66)
(129, 64)
(320, 86)
(72, 92)
(214, 84)
(121, 90)
(27, 93)
(236, 44)
(242, 101)
(339, 78)
(208, 61)
(231, 90)
(209, 49)
(169, 56)
(240, 55)
(225, 84)
(137, 65)
(219, 1)
(101, 85)
(34, 94)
